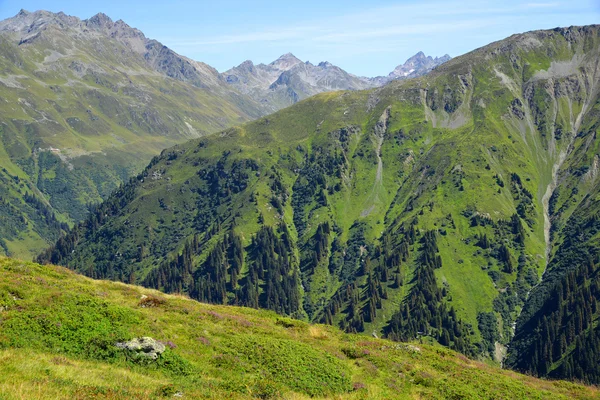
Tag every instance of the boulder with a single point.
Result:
(144, 347)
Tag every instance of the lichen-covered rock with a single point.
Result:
(144, 347)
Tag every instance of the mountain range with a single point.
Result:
(458, 208)
(287, 80)
(454, 202)
(88, 103)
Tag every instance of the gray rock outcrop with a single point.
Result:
(144, 347)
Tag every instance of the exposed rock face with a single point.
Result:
(144, 347)
(288, 79)
(416, 66)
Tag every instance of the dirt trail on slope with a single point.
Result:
(379, 132)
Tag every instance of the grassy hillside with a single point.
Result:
(418, 210)
(58, 330)
(82, 110)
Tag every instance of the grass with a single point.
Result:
(58, 328)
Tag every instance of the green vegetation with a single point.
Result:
(420, 211)
(58, 332)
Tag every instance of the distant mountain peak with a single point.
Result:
(417, 65)
(26, 23)
(29, 23)
(325, 64)
(286, 61)
(288, 56)
(100, 17)
(289, 79)
(100, 20)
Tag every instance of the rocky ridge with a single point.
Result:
(288, 79)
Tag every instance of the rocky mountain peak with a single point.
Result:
(288, 56)
(418, 58)
(119, 29)
(417, 65)
(286, 62)
(99, 20)
(29, 22)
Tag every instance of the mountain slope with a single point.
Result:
(417, 210)
(89, 102)
(85, 105)
(59, 329)
(557, 334)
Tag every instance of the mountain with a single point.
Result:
(60, 330)
(288, 80)
(417, 65)
(86, 104)
(429, 208)
(557, 334)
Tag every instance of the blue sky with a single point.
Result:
(364, 38)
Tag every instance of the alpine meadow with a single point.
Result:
(297, 231)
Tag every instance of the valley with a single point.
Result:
(292, 230)
(418, 210)
(88, 103)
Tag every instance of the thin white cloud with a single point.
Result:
(406, 19)
(282, 34)
(404, 30)
(541, 5)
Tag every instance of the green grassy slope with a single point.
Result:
(58, 330)
(414, 210)
(81, 111)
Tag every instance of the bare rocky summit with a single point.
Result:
(288, 79)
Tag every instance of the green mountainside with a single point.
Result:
(59, 330)
(85, 105)
(557, 333)
(428, 208)
(88, 103)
